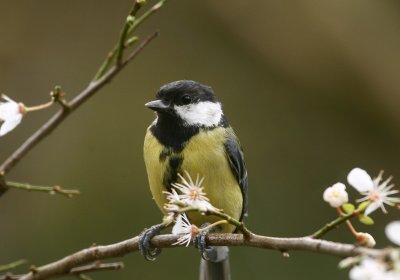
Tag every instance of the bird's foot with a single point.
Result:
(146, 249)
(206, 252)
(209, 253)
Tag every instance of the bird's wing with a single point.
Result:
(238, 166)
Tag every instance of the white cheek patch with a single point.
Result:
(155, 121)
(204, 113)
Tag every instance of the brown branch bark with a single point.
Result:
(77, 271)
(10, 276)
(97, 266)
(61, 115)
(64, 265)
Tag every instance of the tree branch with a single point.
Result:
(341, 219)
(10, 276)
(131, 24)
(64, 265)
(77, 271)
(50, 190)
(9, 266)
(61, 115)
(97, 266)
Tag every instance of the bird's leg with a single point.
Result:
(208, 253)
(200, 240)
(146, 249)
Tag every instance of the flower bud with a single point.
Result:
(366, 240)
(336, 195)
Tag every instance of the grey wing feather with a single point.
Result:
(238, 166)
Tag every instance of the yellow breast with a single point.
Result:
(204, 155)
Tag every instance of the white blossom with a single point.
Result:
(393, 232)
(186, 229)
(392, 275)
(336, 195)
(395, 257)
(192, 193)
(173, 196)
(173, 200)
(368, 269)
(11, 114)
(171, 208)
(373, 189)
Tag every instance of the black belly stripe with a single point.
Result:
(171, 174)
(165, 154)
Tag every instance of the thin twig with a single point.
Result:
(10, 276)
(231, 220)
(126, 32)
(119, 49)
(77, 271)
(9, 266)
(64, 265)
(145, 16)
(220, 214)
(50, 190)
(97, 266)
(329, 226)
(130, 20)
(61, 115)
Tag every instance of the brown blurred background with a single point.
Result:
(311, 87)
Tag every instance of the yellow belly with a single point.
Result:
(204, 155)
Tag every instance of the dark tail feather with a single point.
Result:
(217, 267)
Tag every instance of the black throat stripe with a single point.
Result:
(172, 133)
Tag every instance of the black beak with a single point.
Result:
(157, 105)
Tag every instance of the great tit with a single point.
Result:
(191, 133)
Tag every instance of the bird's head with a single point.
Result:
(189, 103)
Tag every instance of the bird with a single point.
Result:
(191, 134)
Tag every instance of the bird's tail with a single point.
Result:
(216, 267)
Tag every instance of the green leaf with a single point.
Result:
(366, 220)
(348, 208)
(363, 205)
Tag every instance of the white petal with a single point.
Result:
(202, 205)
(369, 269)
(178, 227)
(8, 108)
(10, 115)
(360, 180)
(393, 232)
(10, 124)
(371, 208)
(182, 225)
(190, 178)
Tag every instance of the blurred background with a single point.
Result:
(311, 88)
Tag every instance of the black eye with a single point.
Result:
(186, 99)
